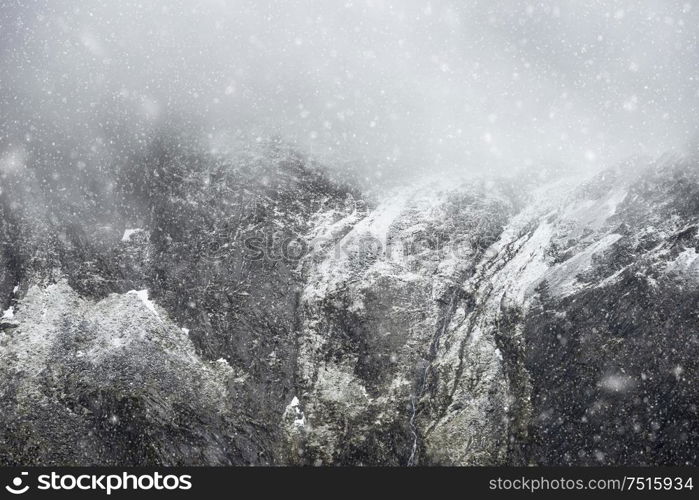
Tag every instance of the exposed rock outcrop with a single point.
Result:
(110, 382)
(257, 312)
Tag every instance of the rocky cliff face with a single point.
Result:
(200, 311)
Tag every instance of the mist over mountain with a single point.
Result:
(386, 88)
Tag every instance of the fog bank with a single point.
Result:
(385, 88)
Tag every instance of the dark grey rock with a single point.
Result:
(290, 321)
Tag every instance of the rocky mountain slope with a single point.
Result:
(194, 310)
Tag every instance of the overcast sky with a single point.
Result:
(394, 87)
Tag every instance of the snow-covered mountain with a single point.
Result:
(261, 312)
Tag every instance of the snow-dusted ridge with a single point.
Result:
(473, 322)
(448, 304)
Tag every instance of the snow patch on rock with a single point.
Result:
(9, 313)
(293, 408)
(563, 278)
(143, 297)
(128, 233)
(685, 264)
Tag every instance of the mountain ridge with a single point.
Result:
(455, 322)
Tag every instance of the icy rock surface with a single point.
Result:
(266, 313)
(108, 382)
